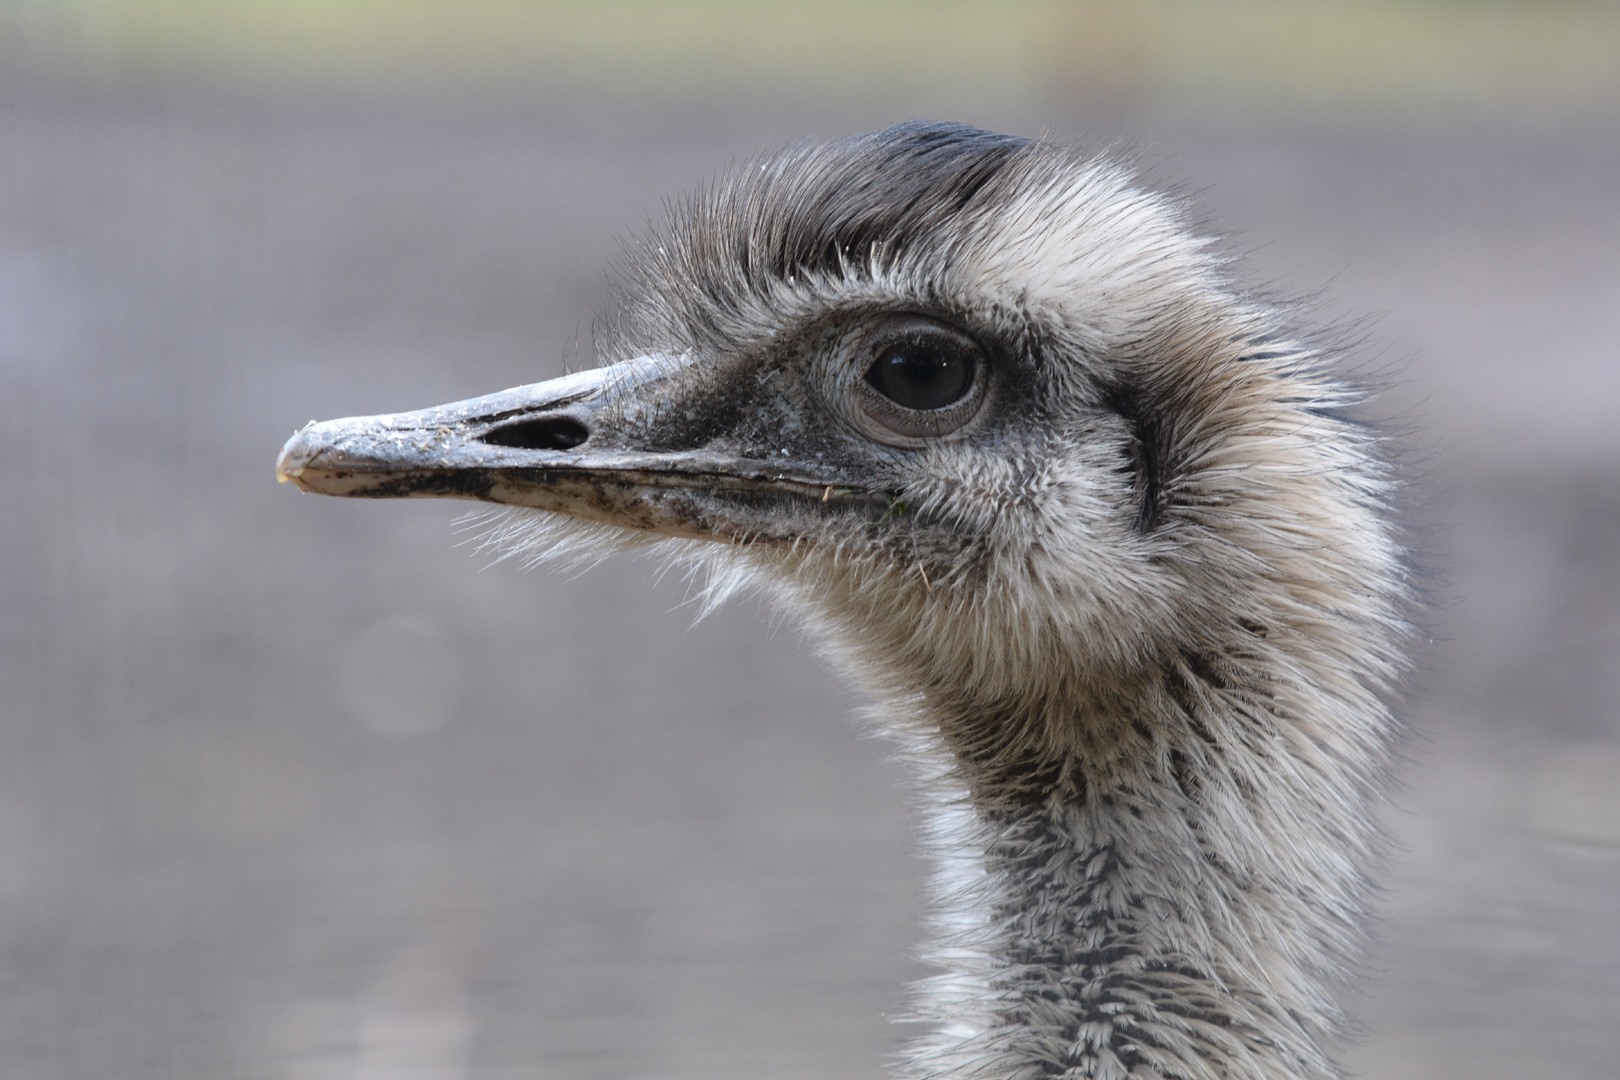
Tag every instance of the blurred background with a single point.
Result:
(294, 789)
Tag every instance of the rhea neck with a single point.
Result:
(1108, 902)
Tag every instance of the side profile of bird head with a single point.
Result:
(1082, 514)
(980, 406)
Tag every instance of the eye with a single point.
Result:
(920, 379)
(923, 374)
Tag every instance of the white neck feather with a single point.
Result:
(1130, 932)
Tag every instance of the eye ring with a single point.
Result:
(918, 380)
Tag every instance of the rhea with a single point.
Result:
(1091, 523)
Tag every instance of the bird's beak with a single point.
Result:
(596, 445)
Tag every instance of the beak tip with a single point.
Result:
(295, 456)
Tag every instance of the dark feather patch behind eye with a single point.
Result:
(1144, 458)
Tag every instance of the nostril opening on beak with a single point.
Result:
(544, 433)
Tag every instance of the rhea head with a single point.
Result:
(988, 414)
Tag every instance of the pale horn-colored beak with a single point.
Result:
(578, 445)
(456, 450)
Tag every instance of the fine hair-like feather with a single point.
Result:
(1135, 624)
(1152, 727)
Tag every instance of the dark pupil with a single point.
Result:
(921, 375)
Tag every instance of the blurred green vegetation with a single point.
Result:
(1290, 53)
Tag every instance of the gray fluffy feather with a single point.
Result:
(1137, 635)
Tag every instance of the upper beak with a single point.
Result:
(465, 449)
(568, 445)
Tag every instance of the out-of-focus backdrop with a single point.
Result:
(294, 789)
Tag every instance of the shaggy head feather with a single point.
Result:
(1131, 601)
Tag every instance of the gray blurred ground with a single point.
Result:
(588, 840)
